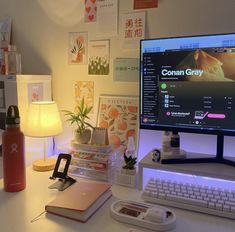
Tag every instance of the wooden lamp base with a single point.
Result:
(44, 165)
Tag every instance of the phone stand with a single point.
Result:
(64, 181)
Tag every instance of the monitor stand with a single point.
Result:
(217, 159)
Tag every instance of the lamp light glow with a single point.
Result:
(43, 120)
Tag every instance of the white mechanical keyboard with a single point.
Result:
(193, 197)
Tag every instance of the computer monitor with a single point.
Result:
(187, 84)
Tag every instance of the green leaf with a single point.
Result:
(80, 116)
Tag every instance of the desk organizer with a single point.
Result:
(94, 165)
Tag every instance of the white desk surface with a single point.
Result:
(18, 209)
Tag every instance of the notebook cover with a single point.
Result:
(80, 197)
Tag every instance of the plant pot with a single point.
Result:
(126, 177)
(84, 137)
(128, 171)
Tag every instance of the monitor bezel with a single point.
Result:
(160, 127)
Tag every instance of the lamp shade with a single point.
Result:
(43, 119)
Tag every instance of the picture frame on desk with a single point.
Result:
(99, 136)
(35, 92)
(119, 114)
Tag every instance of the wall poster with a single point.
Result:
(119, 114)
(144, 4)
(77, 51)
(90, 11)
(126, 69)
(98, 57)
(84, 89)
(132, 29)
(107, 11)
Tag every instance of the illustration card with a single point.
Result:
(119, 114)
(77, 51)
(98, 57)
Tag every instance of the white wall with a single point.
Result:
(40, 31)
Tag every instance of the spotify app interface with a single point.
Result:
(192, 88)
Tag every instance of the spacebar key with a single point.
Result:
(187, 201)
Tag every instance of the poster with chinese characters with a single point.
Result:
(35, 92)
(144, 4)
(119, 114)
(107, 11)
(133, 29)
(90, 11)
(77, 51)
(126, 69)
(84, 89)
(98, 57)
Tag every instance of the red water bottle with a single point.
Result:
(13, 153)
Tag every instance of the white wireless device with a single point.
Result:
(153, 217)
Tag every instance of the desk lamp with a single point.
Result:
(43, 120)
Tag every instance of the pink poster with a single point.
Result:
(90, 11)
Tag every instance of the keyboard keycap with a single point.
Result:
(186, 200)
(226, 208)
(211, 205)
(161, 195)
(218, 206)
(233, 209)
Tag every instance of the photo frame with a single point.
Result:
(120, 115)
(35, 92)
(99, 136)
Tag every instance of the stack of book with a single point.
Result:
(94, 162)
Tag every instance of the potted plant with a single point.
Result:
(130, 158)
(127, 174)
(129, 167)
(79, 117)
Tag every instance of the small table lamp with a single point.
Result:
(43, 120)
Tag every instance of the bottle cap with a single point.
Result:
(13, 116)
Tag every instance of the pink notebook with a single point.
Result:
(80, 201)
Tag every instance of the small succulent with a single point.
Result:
(129, 162)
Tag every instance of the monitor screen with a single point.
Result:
(188, 84)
